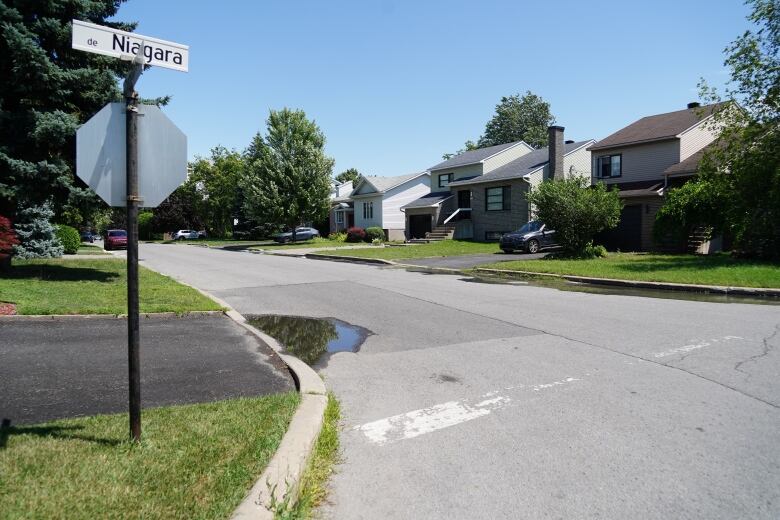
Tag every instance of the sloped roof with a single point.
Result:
(658, 127)
(521, 166)
(429, 200)
(382, 184)
(691, 164)
(473, 156)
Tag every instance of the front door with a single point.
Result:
(464, 199)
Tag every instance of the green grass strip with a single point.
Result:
(433, 249)
(194, 462)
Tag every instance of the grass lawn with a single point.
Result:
(96, 286)
(719, 269)
(321, 242)
(86, 249)
(443, 248)
(194, 461)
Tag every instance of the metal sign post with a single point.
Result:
(112, 169)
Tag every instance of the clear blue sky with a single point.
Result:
(394, 84)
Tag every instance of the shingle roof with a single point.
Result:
(386, 183)
(428, 200)
(521, 166)
(657, 127)
(473, 156)
(691, 164)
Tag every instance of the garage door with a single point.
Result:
(627, 236)
(419, 225)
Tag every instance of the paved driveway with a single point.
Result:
(497, 401)
(67, 367)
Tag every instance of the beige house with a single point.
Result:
(643, 160)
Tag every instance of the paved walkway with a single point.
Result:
(76, 366)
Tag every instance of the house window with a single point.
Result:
(339, 217)
(445, 179)
(497, 199)
(368, 210)
(609, 166)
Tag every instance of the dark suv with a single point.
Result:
(531, 238)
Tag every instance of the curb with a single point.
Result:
(281, 478)
(144, 315)
(666, 286)
(350, 259)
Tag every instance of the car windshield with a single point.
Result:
(117, 233)
(530, 227)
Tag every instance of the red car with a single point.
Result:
(115, 239)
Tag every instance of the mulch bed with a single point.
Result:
(7, 309)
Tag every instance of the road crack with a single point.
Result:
(767, 348)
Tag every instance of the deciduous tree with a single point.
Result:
(347, 175)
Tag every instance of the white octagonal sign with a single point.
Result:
(162, 155)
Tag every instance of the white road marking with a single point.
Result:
(426, 420)
(695, 346)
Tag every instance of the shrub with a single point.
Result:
(145, 225)
(595, 251)
(69, 238)
(36, 233)
(7, 236)
(575, 211)
(356, 234)
(375, 233)
(376, 242)
(339, 236)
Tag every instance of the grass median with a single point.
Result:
(97, 286)
(720, 269)
(433, 249)
(194, 461)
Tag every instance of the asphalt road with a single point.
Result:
(508, 401)
(75, 366)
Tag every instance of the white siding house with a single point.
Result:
(378, 201)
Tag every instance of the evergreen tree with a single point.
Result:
(37, 235)
(47, 91)
(287, 177)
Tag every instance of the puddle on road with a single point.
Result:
(311, 338)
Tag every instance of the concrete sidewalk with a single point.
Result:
(76, 366)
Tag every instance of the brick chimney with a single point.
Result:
(555, 150)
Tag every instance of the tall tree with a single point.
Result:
(518, 118)
(287, 175)
(47, 91)
(350, 174)
(738, 187)
(216, 183)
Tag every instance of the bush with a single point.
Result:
(356, 234)
(376, 242)
(597, 251)
(7, 236)
(375, 233)
(145, 225)
(575, 211)
(36, 233)
(69, 238)
(339, 236)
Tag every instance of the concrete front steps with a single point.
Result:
(437, 235)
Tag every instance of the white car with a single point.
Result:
(185, 234)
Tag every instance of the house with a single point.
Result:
(378, 201)
(342, 213)
(481, 194)
(643, 160)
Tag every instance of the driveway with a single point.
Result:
(76, 366)
(497, 401)
(469, 261)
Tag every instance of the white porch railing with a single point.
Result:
(464, 210)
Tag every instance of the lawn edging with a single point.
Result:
(279, 483)
(639, 284)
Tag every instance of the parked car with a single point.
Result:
(88, 236)
(115, 239)
(186, 234)
(531, 238)
(301, 233)
(202, 234)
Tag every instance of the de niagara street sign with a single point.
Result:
(101, 160)
(120, 44)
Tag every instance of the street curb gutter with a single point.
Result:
(281, 479)
(667, 286)
(350, 259)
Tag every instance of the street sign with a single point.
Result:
(101, 161)
(121, 44)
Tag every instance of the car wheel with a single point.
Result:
(507, 251)
(533, 246)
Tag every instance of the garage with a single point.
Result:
(627, 236)
(419, 225)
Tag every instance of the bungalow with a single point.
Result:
(342, 213)
(378, 201)
(643, 160)
(482, 193)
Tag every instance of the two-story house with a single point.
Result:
(640, 159)
(342, 212)
(378, 201)
(481, 194)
